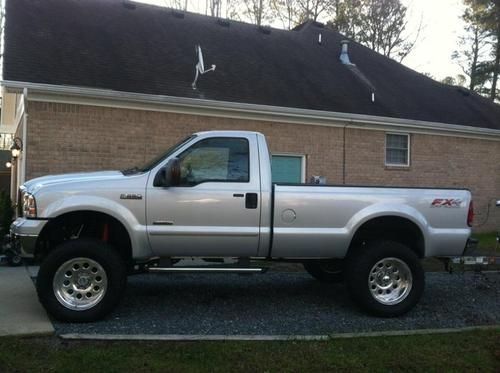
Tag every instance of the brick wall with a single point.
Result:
(437, 161)
(63, 138)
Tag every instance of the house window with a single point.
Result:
(288, 168)
(397, 149)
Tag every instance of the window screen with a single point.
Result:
(396, 149)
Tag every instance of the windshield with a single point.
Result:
(156, 160)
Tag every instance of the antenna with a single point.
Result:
(200, 66)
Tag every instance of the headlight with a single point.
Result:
(29, 206)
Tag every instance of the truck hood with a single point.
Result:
(40, 182)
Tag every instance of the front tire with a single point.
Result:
(385, 278)
(81, 280)
(14, 260)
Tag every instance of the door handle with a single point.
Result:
(251, 201)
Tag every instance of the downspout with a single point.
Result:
(13, 182)
(25, 126)
(344, 154)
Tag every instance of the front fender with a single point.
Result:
(135, 228)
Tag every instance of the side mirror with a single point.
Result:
(170, 175)
(498, 203)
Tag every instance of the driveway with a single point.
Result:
(285, 304)
(20, 312)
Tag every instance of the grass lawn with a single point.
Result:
(487, 241)
(467, 351)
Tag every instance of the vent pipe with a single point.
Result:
(344, 54)
(344, 58)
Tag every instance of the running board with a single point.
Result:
(206, 270)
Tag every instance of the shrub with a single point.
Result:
(6, 213)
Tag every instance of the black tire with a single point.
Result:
(101, 253)
(14, 260)
(360, 282)
(330, 271)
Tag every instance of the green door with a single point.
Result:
(286, 169)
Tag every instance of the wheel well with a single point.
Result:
(393, 228)
(88, 224)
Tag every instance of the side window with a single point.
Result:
(215, 159)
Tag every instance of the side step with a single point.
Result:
(206, 270)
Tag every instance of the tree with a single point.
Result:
(458, 80)
(474, 46)
(6, 212)
(177, 4)
(346, 17)
(480, 54)
(492, 23)
(287, 11)
(254, 10)
(312, 9)
(381, 25)
(258, 12)
(215, 7)
(293, 12)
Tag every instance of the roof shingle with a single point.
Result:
(149, 49)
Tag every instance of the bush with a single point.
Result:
(6, 213)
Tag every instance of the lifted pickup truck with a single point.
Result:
(211, 196)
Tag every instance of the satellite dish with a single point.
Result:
(200, 66)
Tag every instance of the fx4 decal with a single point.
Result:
(446, 202)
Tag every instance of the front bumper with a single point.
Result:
(24, 232)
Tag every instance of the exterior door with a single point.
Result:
(215, 211)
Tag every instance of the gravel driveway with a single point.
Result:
(285, 304)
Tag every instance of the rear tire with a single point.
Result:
(330, 271)
(385, 278)
(81, 280)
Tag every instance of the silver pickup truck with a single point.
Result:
(211, 196)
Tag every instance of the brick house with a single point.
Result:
(106, 84)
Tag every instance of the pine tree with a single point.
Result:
(381, 25)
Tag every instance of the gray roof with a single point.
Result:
(134, 47)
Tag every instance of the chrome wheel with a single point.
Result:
(390, 281)
(80, 284)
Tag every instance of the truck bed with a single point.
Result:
(320, 220)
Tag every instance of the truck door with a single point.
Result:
(215, 211)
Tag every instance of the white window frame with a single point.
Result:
(297, 155)
(408, 150)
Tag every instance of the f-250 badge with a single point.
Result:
(446, 202)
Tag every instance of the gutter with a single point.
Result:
(92, 96)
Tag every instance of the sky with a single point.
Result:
(440, 28)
